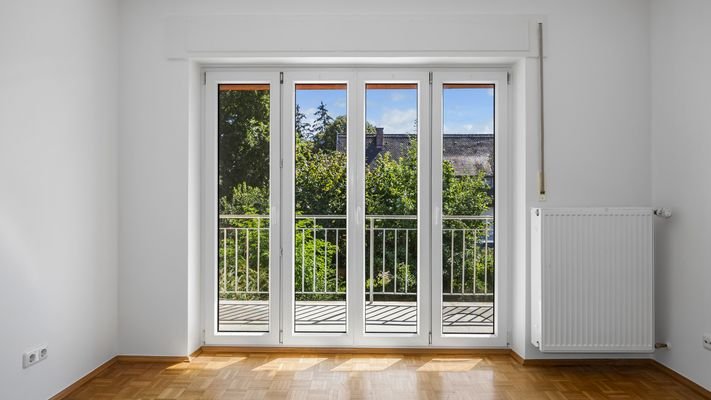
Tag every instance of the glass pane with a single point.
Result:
(391, 208)
(320, 204)
(468, 209)
(243, 207)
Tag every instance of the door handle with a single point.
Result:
(359, 216)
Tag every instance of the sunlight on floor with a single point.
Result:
(224, 364)
(449, 365)
(290, 364)
(178, 366)
(212, 364)
(366, 364)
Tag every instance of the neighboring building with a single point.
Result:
(468, 153)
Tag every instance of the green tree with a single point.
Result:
(391, 189)
(246, 200)
(325, 129)
(328, 139)
(320, 183)
(315, 259)
(391, 184)
(301, 126)
(243, 139)
(337, 128)
(323, 119)
(320, 187)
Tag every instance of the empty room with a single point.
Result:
(263, 199)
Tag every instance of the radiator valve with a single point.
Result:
(663, 212)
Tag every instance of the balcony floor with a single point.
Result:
(381, 317)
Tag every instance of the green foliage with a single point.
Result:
(302, 128)
(315, 260)
(323, 119)
(320, 189)
(391, 185)
(464, 195)
(243, 139)
(326, 140)
(251, 273)
(246, 200)
(478, 259)
(406, 278)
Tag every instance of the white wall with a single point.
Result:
(597, 118)
(153, 187)
(58, 191)
(681, 137)
(194, 301)
(598, 150)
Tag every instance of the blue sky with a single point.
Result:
(466, 111)
(392, 109)
(309, 100)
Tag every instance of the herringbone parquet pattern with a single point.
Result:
(380, 376)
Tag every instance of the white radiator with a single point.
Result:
(592, 280)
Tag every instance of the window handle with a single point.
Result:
(436, 216)
(275, 214)
(359, 216)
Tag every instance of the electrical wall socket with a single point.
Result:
(32, 357)
(707, 341)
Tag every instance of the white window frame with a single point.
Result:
(501, 208)
(291, 78)
(282, 208)
(209, 223)
(421, 78)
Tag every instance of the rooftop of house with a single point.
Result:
(468, 153)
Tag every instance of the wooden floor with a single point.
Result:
(380, 316)
(381, 376)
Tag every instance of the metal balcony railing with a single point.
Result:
(320, 256)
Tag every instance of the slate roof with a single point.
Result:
(469, 154)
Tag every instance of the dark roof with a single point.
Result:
(469, 154)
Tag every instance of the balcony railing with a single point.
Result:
(390, 251)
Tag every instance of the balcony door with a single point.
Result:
(354, 208)
(392, 210)
(317, 201)
(241, 223)
(469, 203)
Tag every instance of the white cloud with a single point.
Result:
(341, 103)
(398, 120)
(397, 96)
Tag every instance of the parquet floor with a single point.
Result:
(379, 376)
